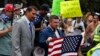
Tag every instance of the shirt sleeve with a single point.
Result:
(82, 24)
(1, 26)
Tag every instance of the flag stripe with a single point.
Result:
(70, 54)
(55, 53)
(51, 46)
(67, 46)
(55, 41)
(55, 47)
(58, 49)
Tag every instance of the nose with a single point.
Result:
(35, 16)
(57, 24)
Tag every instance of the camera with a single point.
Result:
(79, 28)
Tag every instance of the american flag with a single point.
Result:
(67, 46)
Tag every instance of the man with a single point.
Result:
(78, 26)
(17, 12)
(91, 27)
(95, 51)
(41, 21)
(50, 32)
(5, 30)
(94, 32)
(23, 34)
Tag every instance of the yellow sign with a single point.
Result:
(70, 9)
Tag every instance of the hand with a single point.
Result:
(49, 39)
(9, 29)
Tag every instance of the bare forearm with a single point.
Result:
(4, 32)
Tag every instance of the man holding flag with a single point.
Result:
(50, 32)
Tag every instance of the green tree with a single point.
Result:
(90, 5)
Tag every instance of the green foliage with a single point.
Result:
(90, 5)
(86, 5)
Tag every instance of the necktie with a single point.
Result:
(30, 26)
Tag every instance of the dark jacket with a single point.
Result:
(44, 34)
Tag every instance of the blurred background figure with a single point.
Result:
(6, 19)
(17, 12)
(69, 29)
(90, 33)
(39, 51)
(41, 21)
(89, 19)
(91, 27)
(1, 11)
(78, 26)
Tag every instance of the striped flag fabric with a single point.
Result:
(54, 48)
(66, 46)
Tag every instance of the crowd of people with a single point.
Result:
(28, 33)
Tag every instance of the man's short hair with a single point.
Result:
(53, 17)
(30, 8)
(44, 7)
(97, 14)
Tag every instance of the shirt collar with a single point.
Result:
(52, 28)
(26, 19)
